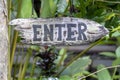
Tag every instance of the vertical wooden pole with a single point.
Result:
(3, 40)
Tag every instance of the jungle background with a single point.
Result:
(96, 61)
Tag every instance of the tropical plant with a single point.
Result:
(103, 11)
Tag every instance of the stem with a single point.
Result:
(115, 70)
(13, 49)
(62, 58)
(16, 65)
(110, 67)
(25, 64)
(21, 65)
(9, 9)
(79, 55)
(40, 77)
(15, 38)
(33, 67)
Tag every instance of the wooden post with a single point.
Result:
(3, 40)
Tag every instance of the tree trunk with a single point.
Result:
(3, 40)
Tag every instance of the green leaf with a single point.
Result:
(104, 74)
(48, 8)
(116, 29)
(109, 16)
(65, 78)
(34, 47)
(62, 5)
(116, 77)
(116, 62)
(108, 54)
(61, 57)
(78, 75)
(82, 7)
(77, 66)
(116, 34)
(118, 52)
(62, 51)
(104, 17)
(26, 9)
(88, 73)
(53, 7)
(45, 9)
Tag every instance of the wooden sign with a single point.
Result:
(58, 31)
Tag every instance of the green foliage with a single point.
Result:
(30, 78)
(104, 74)
(61, 57)
(48, 8)
(108, 54)
(62, 5)
(118, 52)
(113, 55)
(26, 5)
(34, 47)
(24, 69)
(103, 11)
(65, 78)
(77, 66)
(116, 62)
(116, 34)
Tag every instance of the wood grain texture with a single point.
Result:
(3, 40)
(58, 31)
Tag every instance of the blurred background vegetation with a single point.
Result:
(105, 12)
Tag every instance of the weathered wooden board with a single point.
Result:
(58, 31)
(4, 41)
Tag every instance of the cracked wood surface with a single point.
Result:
(3, 40)
(58, 31)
